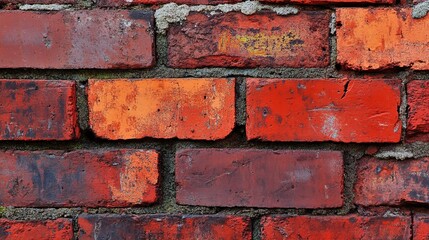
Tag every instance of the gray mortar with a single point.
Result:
(421, 9)
(173, 13)
(44, 7)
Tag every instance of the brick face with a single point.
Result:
(260, 40)
(323, 110)
(76, 39)
(162, 108)
(133, 2)
(381, 182)
(164, 227)
(421, 226)
(259, 178)
(38, 110)
(116, 178)
(335, 227)
(60, 229)
(327, 2)
(381, 38)
(418, 114)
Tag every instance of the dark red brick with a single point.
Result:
(323, 110)
(418, 114)
(60, 229)
(38, 110)
(164, 227)
(133, 2)
(259, 40)
(335, 227)
(259, 178)
(421, 226)
(76, 39)
(108, 178)
(383, 182)
(38, 1)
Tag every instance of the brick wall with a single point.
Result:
(219, 119)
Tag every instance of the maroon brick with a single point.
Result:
(259, 40)
(418, 114)
(39, 1)
(114, 178)
(60, 229)
(38, 110)
(163, 227)
(76, 39)
(381, 182)
(336, 227)
(259, 178)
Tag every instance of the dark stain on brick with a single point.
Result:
(141, 14)
(3, 231)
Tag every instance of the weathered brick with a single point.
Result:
(259, 40)
(133, 2)
(76, 39)
(164, 227)
(335, 227)
(339, 110)
(38, 110)
(418, 114)
(323, 2)
(114, 178)
(382, 38)
(60, 229)
(259, 178)
(38, 1)
(162, 108)
(381, 182)
(421, 226)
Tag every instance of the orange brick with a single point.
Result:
(336, 110)
(162, 108)
(323, 2)
(382, 38)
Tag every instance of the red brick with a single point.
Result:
(421, 226)
(164, 227)
(38, 110)
(38, 1)
(325, 2)
(114, 178)
(60, 229)
(260, 40)
(76, 39)
(336, 227)
(336, 110)
(418, 115)
(259, 178)
(162, 108)
(133, 2)
(381, 182)
(382, 38)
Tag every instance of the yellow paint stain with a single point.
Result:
(140, 171)
(259, 44)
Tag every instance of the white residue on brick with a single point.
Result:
(173, 13)
(44, 7)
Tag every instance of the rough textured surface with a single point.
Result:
(259, 178)
(76, 39)
(60, 229)
(323, 110)
(421, 227)
(418, 111)
(162, 108)
(326, 2)
(115, 178)
(381, 38)
(163, 227)
(421, 9)
(132, 2)
(37, 1)
(392, 182)
(38, 110)
(335, 227)
(259, 40)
